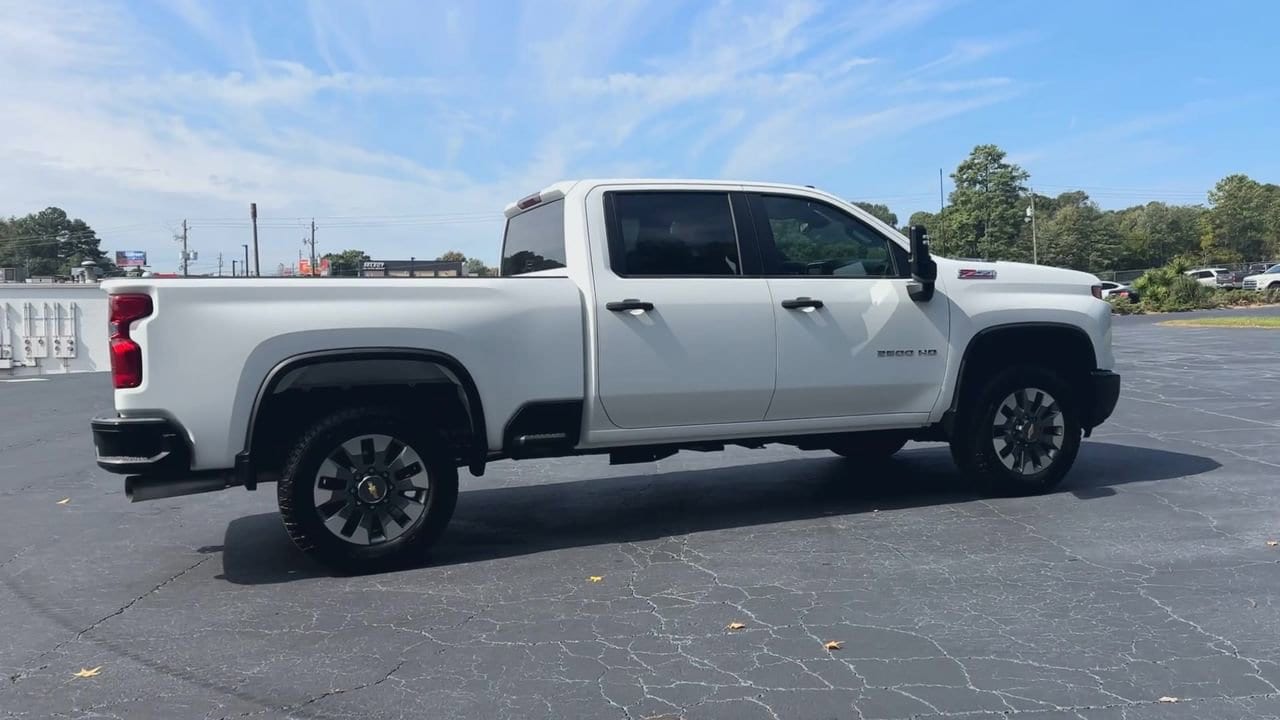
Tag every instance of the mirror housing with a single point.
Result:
(924, 271)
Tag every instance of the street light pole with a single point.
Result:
(1035, 241)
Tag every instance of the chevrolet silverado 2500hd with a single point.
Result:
(635, 318)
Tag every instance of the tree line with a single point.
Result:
(50, 242)
(987, 217)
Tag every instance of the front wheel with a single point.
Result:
(366, 489)
(1020, 434)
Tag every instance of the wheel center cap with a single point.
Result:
(372, 489)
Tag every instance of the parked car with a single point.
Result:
(632, 318)
(1110, 289)
(1213, 277)
(1268, 279)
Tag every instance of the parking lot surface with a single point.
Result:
(572, 589)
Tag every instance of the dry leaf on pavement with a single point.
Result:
(833, 644)
(1273, 543)
(735, 625)
(596, 578)
(88, 672)
(1168, 699)
(63, 501)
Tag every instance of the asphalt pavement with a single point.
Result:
(573, 589)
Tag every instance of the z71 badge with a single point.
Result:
(977, 274)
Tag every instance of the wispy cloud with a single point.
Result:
(356, 113)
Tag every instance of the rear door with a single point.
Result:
(684, 336)
(850, 339)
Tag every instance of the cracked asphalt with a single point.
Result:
(1147, 575)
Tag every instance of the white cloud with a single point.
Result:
(102, 122)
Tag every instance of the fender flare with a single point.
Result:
(244, 469)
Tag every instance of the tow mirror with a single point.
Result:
(924, 271)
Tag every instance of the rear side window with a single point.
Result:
(534, 240)
(664, 234)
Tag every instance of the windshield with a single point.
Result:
(1274, 269)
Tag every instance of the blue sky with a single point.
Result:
(404, 127)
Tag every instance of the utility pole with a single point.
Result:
(313, 247)
(942, 206)
(233, 268)
(246, 259)
(219, 264)
(184, 248)
(253, 215)
(1031, 216)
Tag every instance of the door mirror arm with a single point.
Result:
(924, 271)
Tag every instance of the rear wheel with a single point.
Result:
(1020, 434)
(870, 446)
(366, 489)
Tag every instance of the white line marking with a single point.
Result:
(18, 380)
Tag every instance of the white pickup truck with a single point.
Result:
(634, 318)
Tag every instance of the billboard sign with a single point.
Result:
(131, 258)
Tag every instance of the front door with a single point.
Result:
(850, 339)
(683, 337)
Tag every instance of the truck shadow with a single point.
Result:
(511, 521)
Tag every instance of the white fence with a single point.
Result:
(52, 329)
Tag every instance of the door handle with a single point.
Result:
(801, 302)
(628, 304)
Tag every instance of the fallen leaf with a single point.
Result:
(63, 501)
(596, 578)
(735, 625)
(1168, 699)
(88, 672)
(1273, 543)
(833, 644)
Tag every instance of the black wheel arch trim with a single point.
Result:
(245, 470)
(1005, 327)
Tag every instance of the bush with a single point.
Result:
(1124, 306)
(1167, 289)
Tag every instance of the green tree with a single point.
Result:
(1080, 236)
(476, 267)
(985, 218)
(50, 243)
(880, 211)
(347, 263)
(453, 256)
(1243, 216)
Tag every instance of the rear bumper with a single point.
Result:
(154, 454)
(1104, 392)
(140, 446)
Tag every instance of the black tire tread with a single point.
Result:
(444, 479)
(971, 447)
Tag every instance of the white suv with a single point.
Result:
(1213, 277)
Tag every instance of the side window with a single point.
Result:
(672, 234)
(813, 238)
(534, 240)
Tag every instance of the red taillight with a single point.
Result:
(126, 355)
(1097, 291)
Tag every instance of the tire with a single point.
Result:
(1274, 286)
(380, 513)
(1014, 456)
(870, 446)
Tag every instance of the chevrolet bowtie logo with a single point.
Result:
(372, 489)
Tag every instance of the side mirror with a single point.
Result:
(924, 271)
